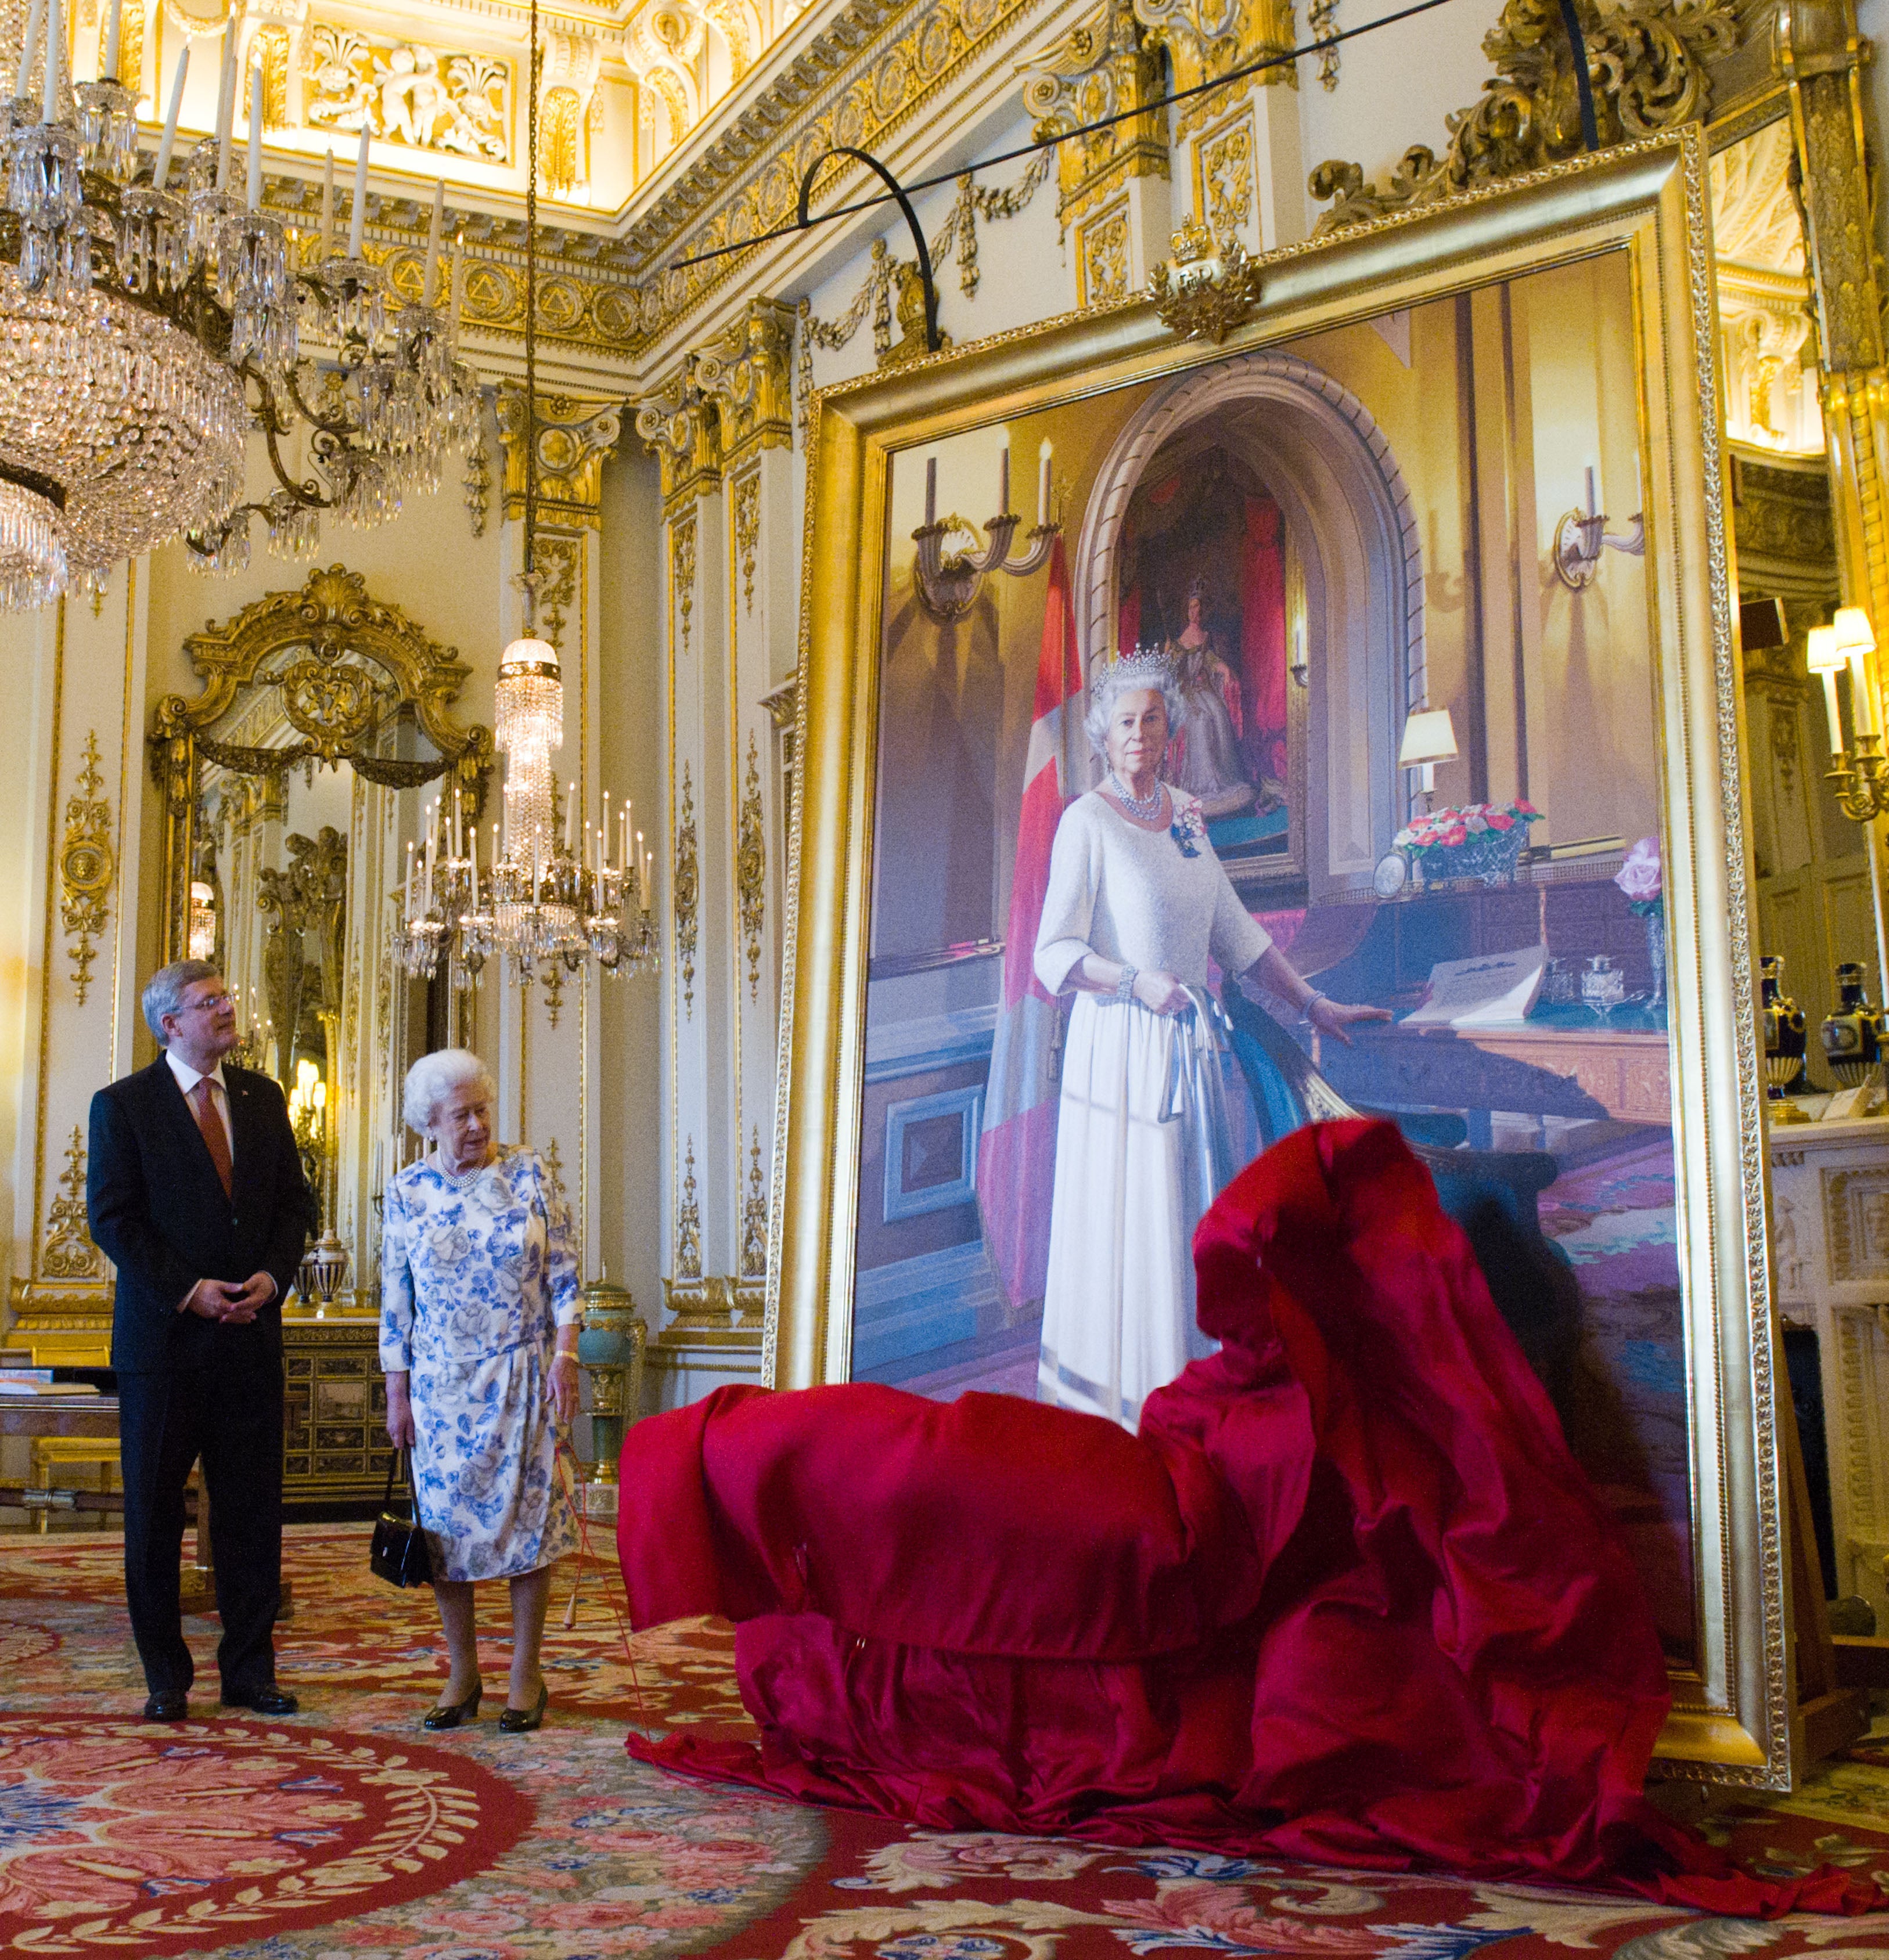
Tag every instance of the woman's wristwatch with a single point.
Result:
(1124, 987)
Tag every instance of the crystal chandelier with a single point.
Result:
(543, 897)
(136, 318)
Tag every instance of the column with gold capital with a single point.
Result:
(699, 1343)
(747, 372)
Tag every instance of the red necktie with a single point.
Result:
(215, 1136)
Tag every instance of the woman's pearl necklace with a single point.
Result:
(1146, 808)
(461, 1180)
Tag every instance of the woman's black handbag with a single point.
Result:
(399, 1553)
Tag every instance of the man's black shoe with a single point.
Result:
(266, 1699)
(167, 1704)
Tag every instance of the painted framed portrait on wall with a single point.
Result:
(1383, 650)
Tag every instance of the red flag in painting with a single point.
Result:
(1016, 1156)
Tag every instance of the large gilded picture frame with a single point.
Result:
(1467, 459)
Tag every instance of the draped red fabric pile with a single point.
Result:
(1346, 1598)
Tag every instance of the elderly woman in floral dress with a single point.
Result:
(479, 1327)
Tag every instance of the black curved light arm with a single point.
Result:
(1583, 82)
(932, 342)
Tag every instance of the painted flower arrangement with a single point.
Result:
(1641, 877)
(1481, 840)
(1450, 829)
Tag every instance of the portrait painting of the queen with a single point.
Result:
(1305, 763)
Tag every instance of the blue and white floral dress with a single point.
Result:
(477, 1275)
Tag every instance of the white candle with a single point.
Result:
(1043, 481)
(409, 878)
(256, 136)
(623, 863)
(167, 141)
(642, 869)
(55, 34)
(1832, 714)
(327, 206)
(113, 21)
(1862, 705)
(430, 285)
(28, 48)
(1593, 505)
(570, 821)
(358, 216)
(623, 859)
(930, 489)
(603, 836)
(472, 840)
(225, 104)
(456, 286)
(459, 846)
(1003, 473)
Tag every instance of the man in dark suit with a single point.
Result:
(195, 1193)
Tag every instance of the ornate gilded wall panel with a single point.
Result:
(686, 886)
(87, 867)
(1102, 257)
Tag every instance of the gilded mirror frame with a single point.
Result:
(332, 615)
(1732, 1719)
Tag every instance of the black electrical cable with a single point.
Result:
(1069, 135)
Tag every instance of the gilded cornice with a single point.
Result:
(868, 75)
(606, 288)
(575, 437)
(681, 424)
(748, 371)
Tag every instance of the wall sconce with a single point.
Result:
(1429, 737)
(1581, 536)
(948, 584)
(1856, 773)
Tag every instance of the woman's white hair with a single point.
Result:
(1131, 671)
(434, 1077)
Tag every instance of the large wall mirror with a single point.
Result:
(294, 783)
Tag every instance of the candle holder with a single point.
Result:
(949, 582)
(1856, 779)
(1582, 536)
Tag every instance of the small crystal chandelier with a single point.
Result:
(543, 897)
(136, 319)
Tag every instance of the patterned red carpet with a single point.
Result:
(346, 1833)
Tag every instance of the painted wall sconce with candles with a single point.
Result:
(1582, 536)
(948, 583)
(1856, 773)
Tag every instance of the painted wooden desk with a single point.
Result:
(1553, 1065)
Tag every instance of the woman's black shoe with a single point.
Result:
(450, 1714)
(522, 1721)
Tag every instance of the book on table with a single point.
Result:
(1496, 990)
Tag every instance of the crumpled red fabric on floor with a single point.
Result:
(1346, 1598)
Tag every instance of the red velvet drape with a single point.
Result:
(1346, 1598)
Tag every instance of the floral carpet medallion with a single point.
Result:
(347, 1834)
(144, 1837)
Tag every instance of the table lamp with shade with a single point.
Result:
(1429, 737)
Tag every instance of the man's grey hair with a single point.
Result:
(434, 1077)
(1124, 675)
(165, 992)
